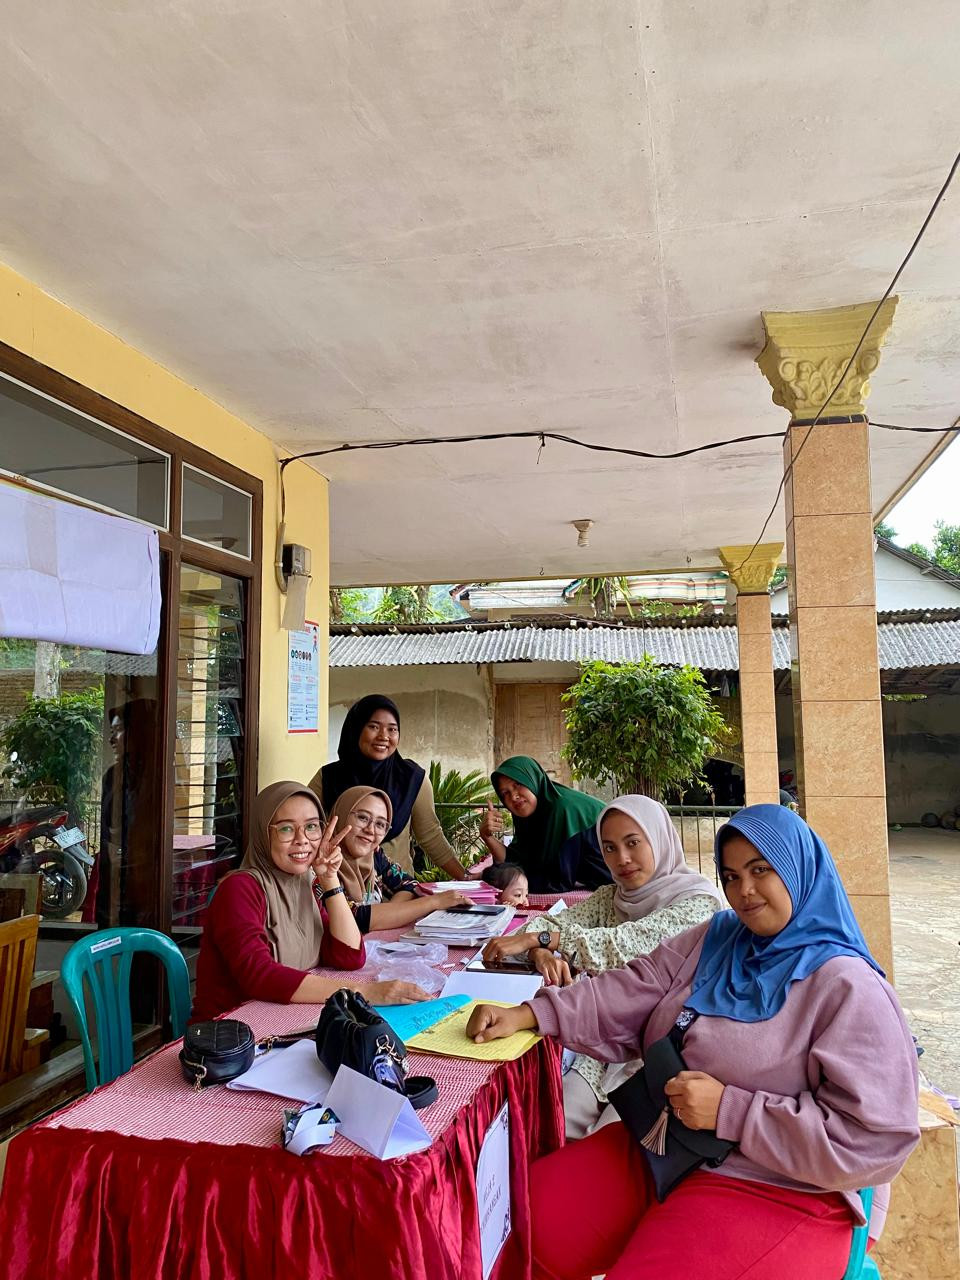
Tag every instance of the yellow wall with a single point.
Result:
(40, 327)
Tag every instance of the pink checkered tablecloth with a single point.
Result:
(153, 1101)
(546, 900)
(147, 1178)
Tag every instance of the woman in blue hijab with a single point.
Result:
(795, 1052)
(747, 968)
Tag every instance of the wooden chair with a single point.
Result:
(18, 951)
(19, 895)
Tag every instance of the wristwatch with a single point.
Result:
(330, 893)
(543, 939)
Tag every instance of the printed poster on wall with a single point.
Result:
(303, 679)
(493, 1189)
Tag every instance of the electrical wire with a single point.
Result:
(788, 470)
(543, 436)
(889, 426)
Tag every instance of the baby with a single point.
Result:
(511, 880)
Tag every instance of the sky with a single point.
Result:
(935, 496)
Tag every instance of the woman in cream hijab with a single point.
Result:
(654, 895)
(283, 913)
(380, 893)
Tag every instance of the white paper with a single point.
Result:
(295, 602)
(73, 576)
(557, 907)
(493, 1189)
(293, 1072)
(303, 679)
(512, 988)
(374, 1117)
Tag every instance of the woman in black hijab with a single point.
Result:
(368, 757)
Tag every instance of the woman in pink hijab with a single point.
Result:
(654, 896)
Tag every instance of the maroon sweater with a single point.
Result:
(235, 961)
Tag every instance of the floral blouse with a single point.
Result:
(593, 941)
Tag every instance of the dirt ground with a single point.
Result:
(925, 902)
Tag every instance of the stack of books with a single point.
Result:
(461, 929)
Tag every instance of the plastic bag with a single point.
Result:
(378, 952)
(400, 969)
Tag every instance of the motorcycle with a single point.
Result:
(44, 841)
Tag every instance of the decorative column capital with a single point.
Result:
(807, 351)
(751, 569)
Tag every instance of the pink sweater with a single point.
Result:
(821, 1097)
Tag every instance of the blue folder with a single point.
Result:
(407, 1019)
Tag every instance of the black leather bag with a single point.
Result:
(671, 1149)
(351, 1033)
(215, 1052)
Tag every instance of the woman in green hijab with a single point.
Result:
(554, 829)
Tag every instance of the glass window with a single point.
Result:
(64, 450)
(80, 795)
(215, 512)
(208, 772)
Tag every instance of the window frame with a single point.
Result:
(91, 404)
(199, 542)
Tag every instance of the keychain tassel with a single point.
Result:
(656, 1139)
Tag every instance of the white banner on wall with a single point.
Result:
(303, 679)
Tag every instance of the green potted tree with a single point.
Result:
(647, 728)
(54, 744)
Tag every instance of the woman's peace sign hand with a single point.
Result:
(329, 856)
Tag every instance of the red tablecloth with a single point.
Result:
(134, 1180)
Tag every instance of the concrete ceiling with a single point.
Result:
(368, 219)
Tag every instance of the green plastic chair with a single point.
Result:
(859, 1266)
(104, 959)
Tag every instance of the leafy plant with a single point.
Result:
(56, 742)
(946, 546)
(458, 798)
(347, 604)
(604, 594)
(405, 604)
(646, 727)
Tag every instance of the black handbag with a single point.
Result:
(215, 1052)
(671, 1149)
(351, 1033)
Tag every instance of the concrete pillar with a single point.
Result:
(833, 619)
(750, 570)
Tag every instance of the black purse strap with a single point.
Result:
(685, 1020)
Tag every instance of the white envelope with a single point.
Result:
(511, 988)
(376, 1118)
(293, 1072)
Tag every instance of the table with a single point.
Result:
(144, 1178)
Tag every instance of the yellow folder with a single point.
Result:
(449, 1038)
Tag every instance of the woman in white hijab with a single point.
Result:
(654, 895)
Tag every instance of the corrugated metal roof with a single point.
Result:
(712, 648)
(919, 644)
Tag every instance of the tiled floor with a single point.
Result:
(925, 897)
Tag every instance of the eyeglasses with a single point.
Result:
(287, 831)
(363, 820)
